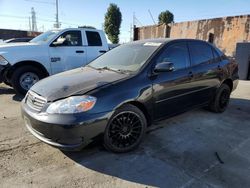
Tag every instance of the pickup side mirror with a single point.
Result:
(164, 67)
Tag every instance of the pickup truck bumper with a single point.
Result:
(3, 71)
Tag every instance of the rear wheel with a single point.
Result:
(221, 99)
(125, 130)
(23, 78)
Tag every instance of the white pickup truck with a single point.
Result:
(24, 64)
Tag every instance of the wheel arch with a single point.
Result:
(143, 109)
(30, 63)
(229, 82)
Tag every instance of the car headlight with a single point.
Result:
(3, 61)
(72, 105)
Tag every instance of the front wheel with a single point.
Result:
(221, 99)
(23, 78)
(125, 130)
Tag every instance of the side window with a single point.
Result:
(200, 53)
(70, 38)
(217, 58)
(177, 54)
(93, 38)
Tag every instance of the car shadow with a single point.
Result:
(5, 90)
(175, 150)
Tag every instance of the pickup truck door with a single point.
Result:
(68, 53)
(95, 44)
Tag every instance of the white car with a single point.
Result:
(24, 64)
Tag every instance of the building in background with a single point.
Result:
(8, 34)
(224, 32)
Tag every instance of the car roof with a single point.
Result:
(165, 40)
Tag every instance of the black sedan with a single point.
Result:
(118, 95)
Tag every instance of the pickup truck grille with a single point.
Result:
(35, 101)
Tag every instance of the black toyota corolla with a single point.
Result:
(118, 95)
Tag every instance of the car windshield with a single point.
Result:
(127, 57)
(44, 38)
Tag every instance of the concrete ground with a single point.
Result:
(195, 149)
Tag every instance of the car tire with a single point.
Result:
(125, 130)
(19, 75)
(221, 99)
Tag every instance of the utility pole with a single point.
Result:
(57, 24)
(33, 20)
(29, 24)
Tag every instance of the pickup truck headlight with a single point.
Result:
(72, 105)
(3, 61)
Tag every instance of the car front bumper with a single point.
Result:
(66, 132)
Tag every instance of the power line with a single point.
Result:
(43, 2)
(12, 16)
(151, 16)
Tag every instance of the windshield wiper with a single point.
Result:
(108, 68)
(124, 71)
(111, 69)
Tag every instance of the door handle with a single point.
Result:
(102, 51)
(191, 75)
(79, 51)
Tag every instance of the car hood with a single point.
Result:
(17, 45)
(75, 82)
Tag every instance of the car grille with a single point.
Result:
(35, 101)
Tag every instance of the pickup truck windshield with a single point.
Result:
(128, 57)
(44, 38)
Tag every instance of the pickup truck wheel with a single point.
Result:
(221, 99)
(7, 83)
(23, 78)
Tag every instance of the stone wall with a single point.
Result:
(154, 31)
(225, 32)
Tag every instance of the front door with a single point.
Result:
(172, 90)
(69, 54)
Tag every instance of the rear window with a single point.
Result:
(93, 38)
(200, 53)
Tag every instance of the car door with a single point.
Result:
(171, 90)
(206, 70)
(95, 46)
(69, 53)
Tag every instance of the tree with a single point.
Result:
(165, 17)
(112, 23)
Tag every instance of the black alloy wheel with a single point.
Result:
(125, 130)
(221, 99)
(224, 99)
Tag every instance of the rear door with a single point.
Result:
(206, 70)
(172, 90)
(95, 45)
(70, 54)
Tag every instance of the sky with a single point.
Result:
(14, 14)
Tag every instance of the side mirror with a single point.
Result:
(164, 67)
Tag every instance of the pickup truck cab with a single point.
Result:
(55, 51)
